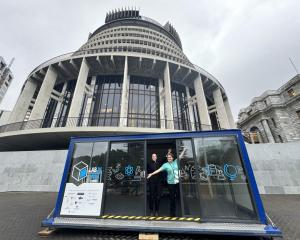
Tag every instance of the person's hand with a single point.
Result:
(149, 175)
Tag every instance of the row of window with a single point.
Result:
(111, 33)
(131, 48)
(118, 41)
(103, 107)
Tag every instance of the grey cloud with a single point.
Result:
(245, 44)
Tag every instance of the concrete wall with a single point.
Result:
(276, 168)
(31, 170)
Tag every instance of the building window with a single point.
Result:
(56, 114)
(254, 135)
(197, 122)
(291, 92)
(143, 104)
(180, 107)
(66, 104)
(106, 101)
(274, 123)
(298, 113)
(215, 125)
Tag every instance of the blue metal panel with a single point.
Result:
(251, 179)
(64, 180)
(47, 222)
(270, 230)
(158, 136)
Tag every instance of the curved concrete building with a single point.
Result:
(131, 76)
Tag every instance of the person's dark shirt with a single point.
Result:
(151, 167)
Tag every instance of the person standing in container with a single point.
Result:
(154, 185)
(171, 167)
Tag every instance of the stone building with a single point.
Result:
(6, 77)
(131, 76)
(274, 116)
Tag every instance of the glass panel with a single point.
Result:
(224, 188)
(81, 160)
(143, 105)
(66, 104)
(84, 189)
(214, 121)
(91, 158)
(97, 166)
(189, 186)
(106, 101)
(125, 181)
(180, 107)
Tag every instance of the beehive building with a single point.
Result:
(131, 76)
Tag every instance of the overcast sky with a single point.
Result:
(246, 45)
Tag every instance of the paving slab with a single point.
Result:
(21, 214)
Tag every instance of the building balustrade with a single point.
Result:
(97, 121)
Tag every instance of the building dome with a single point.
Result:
(131, 76)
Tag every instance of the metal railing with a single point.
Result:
(96, 121)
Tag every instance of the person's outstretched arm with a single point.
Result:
(155, 172)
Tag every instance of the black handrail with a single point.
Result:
(97, 121)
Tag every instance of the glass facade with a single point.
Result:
(180, 107)
(197, 122)
(106, 101)
(56, 113)
(51, 108)
(66, 104)
(143, 104)
(215, 125)
(101, 107)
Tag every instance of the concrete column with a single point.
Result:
(221, 111)
(161, 103)
(168, 99)
(43, 97)
(88, 107)
(90, 99)
(78, 92)
(267, 130)
(191, 115)
(125, 95)
(202, 104)
(229, 114)
(20, 109)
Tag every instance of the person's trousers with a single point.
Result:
(174, 193)
(155, 191)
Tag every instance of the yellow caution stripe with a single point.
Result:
(151, 218)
